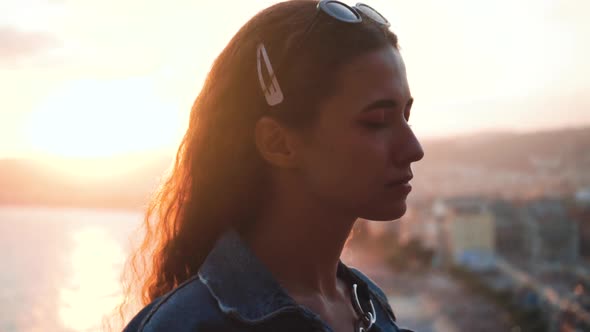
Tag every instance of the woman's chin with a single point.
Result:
(387, 213)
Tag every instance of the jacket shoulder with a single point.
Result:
(189, 307)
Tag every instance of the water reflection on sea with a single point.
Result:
(60, 268)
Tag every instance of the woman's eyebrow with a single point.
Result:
(380, 104)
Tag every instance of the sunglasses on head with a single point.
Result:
(334, 9)
(345, 13)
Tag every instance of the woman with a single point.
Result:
(300, 129)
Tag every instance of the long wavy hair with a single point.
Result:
(218, 179)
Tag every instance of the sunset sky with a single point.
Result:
(93, 78)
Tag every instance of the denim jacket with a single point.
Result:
(234, 292)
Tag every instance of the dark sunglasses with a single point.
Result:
(345, 13)
(336, 10)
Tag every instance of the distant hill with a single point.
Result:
(515, 151)
(506, 164)
(28, 182)
(500, 164)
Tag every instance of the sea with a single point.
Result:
(60, 268)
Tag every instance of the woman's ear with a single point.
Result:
(275, 143)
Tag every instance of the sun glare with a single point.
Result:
(93, 288)
(93, 118)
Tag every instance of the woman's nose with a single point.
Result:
(409, 150)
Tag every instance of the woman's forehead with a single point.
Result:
(376, 74)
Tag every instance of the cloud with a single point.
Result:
(16, 44)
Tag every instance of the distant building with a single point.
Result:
(513, 238)
(540, 231)
(554, 234)
(419, 224)
(580, 210)
(583, 196)
(468, 228)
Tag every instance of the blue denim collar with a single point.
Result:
(245, 289)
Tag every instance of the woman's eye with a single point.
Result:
(374, 119)
(375, 125)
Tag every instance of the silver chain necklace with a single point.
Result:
(367, 319)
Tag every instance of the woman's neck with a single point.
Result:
(301, 245)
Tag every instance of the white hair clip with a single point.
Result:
(272, 92)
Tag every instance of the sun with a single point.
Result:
(102, 118)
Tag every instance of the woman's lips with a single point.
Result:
(402, 186)
(399, 181)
